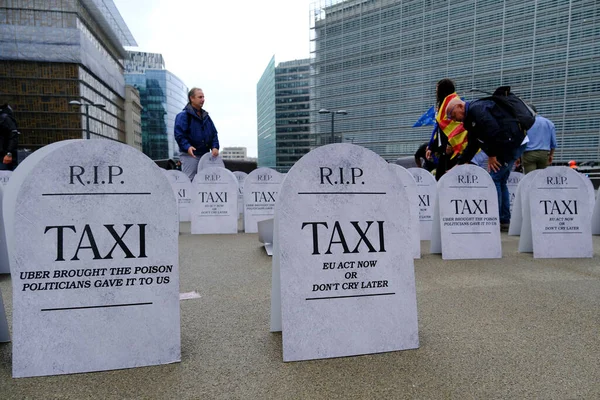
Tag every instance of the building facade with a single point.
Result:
(234, 153)
(133, 117)
(163, 95)
(56, 51)
(284, 114)
(380, 60)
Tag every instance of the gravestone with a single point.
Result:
(410, 187)
(4, 334)
(207, 160)
(560, 214)
(519, 210)
(184, 192)
(468, 214)
(100, 288)
(513, 184)
(341, 257)
(5, 177)
(596, 216)
(214, 209)
(265, 234)
(261, 190)
(241, 178)
(590, 189)
(426, 188)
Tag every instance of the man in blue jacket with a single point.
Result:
(195, 133)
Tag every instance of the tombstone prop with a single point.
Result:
(518, 211)
(410, 186)
(426, 188)
(344, 257)
(100, 288)
(214, 209)
(560, 207)
(5, 177)
(468, 214)
(261, 190)
(184, 192)
(265, 234)
(513, 184)
(207, 160)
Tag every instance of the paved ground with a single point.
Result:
(515, 328)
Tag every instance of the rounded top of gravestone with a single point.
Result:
(215, 175)
(240, 175)
(176, 175)
(264, 175)
(422, 176)
(207, 160)
(466, 176)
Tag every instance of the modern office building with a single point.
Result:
(234, 153)
(54, 52)
(380, 59)
(133, 117)
(283, 114)
(163, 95)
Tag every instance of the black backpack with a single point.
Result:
(517, 108)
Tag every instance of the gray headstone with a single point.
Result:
(215, 206)
(468, 210)
(265, 234)
(517, 213)
(184, 192)
(426, 188)
(241, 178)
(207, 160)
(261, 190)
(100, 288)
(513, 184)
(347, 272)
(4, 334)
(410, 186)
(560, 214)
(5, 177)
(596, 216)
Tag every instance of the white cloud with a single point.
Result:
(222, 47)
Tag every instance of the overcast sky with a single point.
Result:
(222, 47)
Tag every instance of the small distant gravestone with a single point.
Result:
(468, 214)
(207, 160)
(4, 334)
(261, 190)
(241, 178)
(513, 184)
(560, 214)
(341, 257)
(184, 192)
(5, 177)
(518, 211)
(99, 290)
(214, 209)
(410, 186)
(426, 188)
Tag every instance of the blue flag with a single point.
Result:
(426, 119)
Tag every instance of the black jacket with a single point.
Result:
(9, 134)
(489, 128)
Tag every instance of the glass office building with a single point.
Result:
(380, 60)
(162, 95)
(284, 114)
(55, 51)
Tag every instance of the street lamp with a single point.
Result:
(326, 111)
(87, 113)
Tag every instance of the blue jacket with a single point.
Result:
(192, 130)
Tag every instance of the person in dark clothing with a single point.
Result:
(488, 125)
(439, 146)
(195, 133)
(9, 138)
(421, 158)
